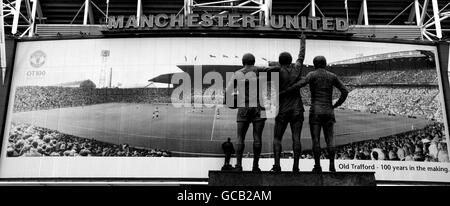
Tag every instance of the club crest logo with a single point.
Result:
(37, 58)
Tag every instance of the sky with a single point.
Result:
(134, 61)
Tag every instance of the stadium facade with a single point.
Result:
(94, 79)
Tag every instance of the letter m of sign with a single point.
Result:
(115, 22)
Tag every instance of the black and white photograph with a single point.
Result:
(157, 94)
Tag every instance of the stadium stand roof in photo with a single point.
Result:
(378, 57)
(402, 56)
(385, 18)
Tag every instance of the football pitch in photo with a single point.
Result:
(198, 132)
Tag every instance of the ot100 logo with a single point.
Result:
(37, 60)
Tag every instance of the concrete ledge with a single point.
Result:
(247, 178)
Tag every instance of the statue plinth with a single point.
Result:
(247, 178)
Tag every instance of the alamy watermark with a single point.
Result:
(251, 89)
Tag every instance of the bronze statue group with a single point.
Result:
(290, 109)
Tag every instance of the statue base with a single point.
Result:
(247, 178)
